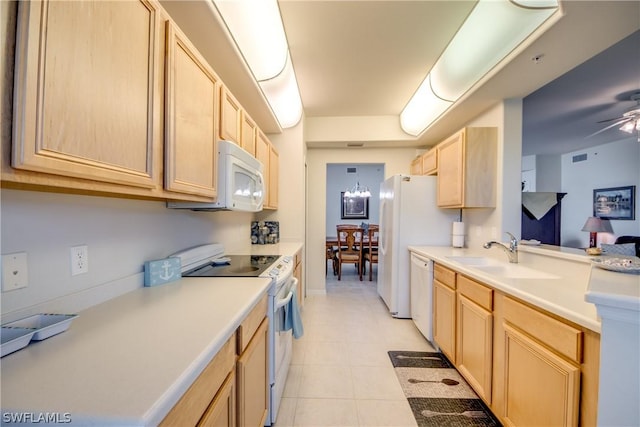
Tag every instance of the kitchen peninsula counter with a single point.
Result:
(129, 360)
(563, 296)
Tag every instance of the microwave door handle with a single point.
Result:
(261, 181)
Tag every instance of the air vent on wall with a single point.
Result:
(352, 170)
(579, 158)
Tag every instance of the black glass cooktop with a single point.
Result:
(238, 266)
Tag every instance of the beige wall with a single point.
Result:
(482, 224)
(396, 161)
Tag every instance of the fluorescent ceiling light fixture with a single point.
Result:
(283, 96)
(257, 30)
(423, 108)
(492, 30)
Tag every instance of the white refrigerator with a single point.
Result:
(408, 216)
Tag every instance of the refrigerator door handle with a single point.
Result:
(382, 239)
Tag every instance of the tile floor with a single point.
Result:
(341, 374)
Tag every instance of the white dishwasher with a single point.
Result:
(422, 294)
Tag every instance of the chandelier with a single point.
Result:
(357, 191)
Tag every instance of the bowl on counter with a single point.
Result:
(593, 251)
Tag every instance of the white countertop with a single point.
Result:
(564, 296)
(127, 361)
(617, 290)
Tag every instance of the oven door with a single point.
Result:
(283, 344)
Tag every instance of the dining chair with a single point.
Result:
(349, 248)
(370, 251)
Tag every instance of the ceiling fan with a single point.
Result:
(629, 121)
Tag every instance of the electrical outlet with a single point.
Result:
(14, 271)
(79, 260)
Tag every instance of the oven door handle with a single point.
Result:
(281, 303)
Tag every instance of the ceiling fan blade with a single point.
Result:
(608, 120)
(619, 122)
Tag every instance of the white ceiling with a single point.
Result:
(365, 58)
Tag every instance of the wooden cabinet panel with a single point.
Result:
(444, 319)
(262, 154)
(274, 178)
(540, 388)
(268, 156)
(250, 324)
(191, 118)
(430, 162)
(476, 292)
(253, 376)
(444, 275)
(467, 163)
(193, 404)
(230, 116)
(451, 172)
(416, 166)
(248, 133)
(563, 338)
(474, 345)
(222, 411)
(86, 115)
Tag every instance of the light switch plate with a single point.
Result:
(14, 271)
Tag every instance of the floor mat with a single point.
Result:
(437, 393)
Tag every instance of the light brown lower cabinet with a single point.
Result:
(233, 389)
(444, 311)
(531, 367)
(252, 372)
(474, 335)
(540, 365)
(205, 396)
(222, 411)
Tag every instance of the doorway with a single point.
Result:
(340, 178)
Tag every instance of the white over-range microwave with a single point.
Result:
(240, 182)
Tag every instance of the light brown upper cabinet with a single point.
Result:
(88, 102)
(467, 164)
(274, 177)
(268, 156)
(416, 166)
(248, 134)
(430, 162)
(192, 90)
(230, 116)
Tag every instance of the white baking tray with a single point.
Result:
(44, 325)
(13, 339)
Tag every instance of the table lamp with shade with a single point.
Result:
(594, 226)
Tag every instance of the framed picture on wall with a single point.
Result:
(615, 203)
(354, 207)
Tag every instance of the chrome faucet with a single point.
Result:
(512, 250)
